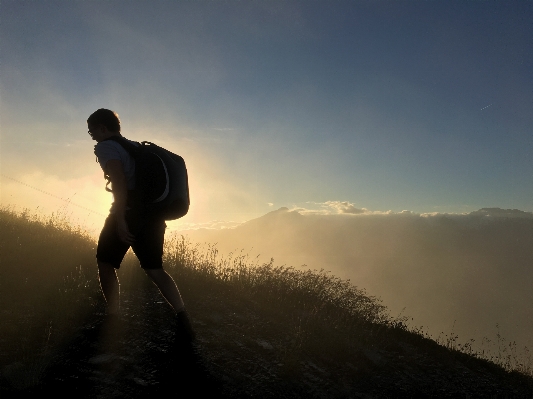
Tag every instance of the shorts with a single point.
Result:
(148, 246)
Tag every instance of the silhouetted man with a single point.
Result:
(128, 225)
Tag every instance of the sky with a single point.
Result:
(423, 106)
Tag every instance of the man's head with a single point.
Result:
(103, 123)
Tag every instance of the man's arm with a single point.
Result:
(116, 174)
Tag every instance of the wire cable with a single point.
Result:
(68, 201)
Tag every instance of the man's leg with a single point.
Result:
(170, 291)
(168, 288)
(109, 252)
(110, 286)
(149, 250)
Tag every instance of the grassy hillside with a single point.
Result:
(451, 273)
(263, 330)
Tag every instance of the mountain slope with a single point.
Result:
(457, 274)
(263, 331)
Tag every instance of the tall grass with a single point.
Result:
(315, 304)
(48, 286)
(292, 289)
(310, 312)
(499, 351)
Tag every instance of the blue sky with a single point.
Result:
(389, 105)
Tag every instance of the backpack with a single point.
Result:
(161, 181)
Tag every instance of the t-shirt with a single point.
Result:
(109, 149)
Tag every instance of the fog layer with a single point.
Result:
(461, 273)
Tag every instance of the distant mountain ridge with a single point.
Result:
(498, 212)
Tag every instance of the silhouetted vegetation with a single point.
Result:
(276, 324)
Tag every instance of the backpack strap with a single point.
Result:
(130, 148)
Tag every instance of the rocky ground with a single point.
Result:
(241, 353)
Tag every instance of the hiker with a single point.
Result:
(128, 224)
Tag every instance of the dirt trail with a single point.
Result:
(240, 354)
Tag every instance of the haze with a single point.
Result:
(448, 273)
(321, 106)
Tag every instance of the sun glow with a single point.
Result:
(81, 200)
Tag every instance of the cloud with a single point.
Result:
(345, 207)
(306, 211)
(211, 225)
(341, 208)
(329, 208)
